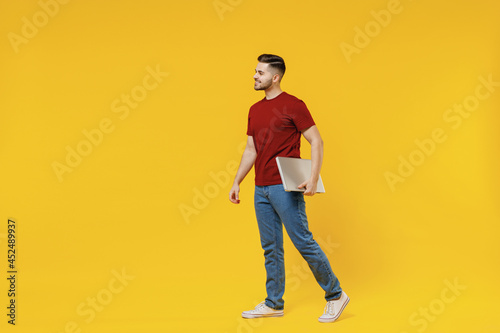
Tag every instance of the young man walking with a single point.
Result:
(275, 125)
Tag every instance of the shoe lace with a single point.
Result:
(261, 305)
(329, 309)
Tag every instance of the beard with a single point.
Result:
(263, 85)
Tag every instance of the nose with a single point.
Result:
(255, 76)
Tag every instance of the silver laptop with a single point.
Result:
(295, 171)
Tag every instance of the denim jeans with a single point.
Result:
(274, 207)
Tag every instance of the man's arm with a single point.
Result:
(246, 164)
(314, 138)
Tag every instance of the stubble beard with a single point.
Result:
(263, 85)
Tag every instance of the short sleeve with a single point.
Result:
(302, 118)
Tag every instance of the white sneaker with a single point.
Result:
(262, 310)
(334, 308)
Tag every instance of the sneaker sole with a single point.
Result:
(251, 316)
(329, 320)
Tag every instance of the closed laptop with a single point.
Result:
(295, 171)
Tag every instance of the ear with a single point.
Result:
(276, 77)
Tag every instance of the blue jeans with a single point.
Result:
(274, 207)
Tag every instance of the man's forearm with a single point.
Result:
(246, 164)
(316, 158)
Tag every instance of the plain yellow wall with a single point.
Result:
(121, 128)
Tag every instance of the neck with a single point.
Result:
(272, 92)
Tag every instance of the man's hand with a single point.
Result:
(234, 194)
(310, 186)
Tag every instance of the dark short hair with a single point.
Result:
(274, 61)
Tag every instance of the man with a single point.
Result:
(275, 125)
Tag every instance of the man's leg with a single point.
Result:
(290, 207)
(271, 237)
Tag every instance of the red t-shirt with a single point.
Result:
(276, 126)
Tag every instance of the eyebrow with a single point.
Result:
(260, 70)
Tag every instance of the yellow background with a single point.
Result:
(120, 209)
